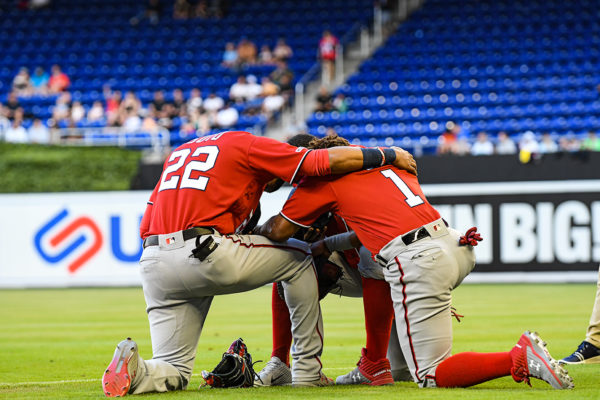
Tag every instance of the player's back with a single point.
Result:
(208, 182)
(381, 204)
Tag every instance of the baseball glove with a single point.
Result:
(235, 369)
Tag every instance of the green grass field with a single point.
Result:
(56, 343)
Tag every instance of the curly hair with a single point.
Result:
(328, 141)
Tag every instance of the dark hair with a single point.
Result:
(301, 140)
(328, 141)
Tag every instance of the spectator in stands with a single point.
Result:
(227, 117)
(132, 121)
(547, 144)
(201, 9)
(113, 102)
(327, 54)
(283, 76)
(505, 145)
(96, 112)
(212, 105)
(21, 84)
(272, 104)
(77, 112)
(61, 113)
(591, 142)
(230, 56)
(462, 146)
(268, 87)
(447, 142)
(282, 51)
(182, 9)
(38, 132)
(59, 81)
(339, 103)
(482, 146)
(254, 88)
(158, 105)
(529, 148)
(39, 81)
(151, 11)
(177, 106)
(12, 105)
(4, 121)
(238, 92)
(265, 56)
(324, 100)
(568, 144)
(16, 133)
(247, 52)
(194, 103)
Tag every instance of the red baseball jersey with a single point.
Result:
(217, 181)
(379, 204)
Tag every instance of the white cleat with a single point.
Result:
(275, 373)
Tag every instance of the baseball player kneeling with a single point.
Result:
(423, 261)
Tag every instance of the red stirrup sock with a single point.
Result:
(282, 327)
(468, 369)
(379, 314)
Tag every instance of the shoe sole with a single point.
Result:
(116, 380)
(559, 377)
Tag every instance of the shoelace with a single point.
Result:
(455, 314)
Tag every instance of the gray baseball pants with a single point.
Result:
(179, 290)
(421, 277)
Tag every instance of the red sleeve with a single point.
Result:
(286, 161)
(308, 201)
(145, 224)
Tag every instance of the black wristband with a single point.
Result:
(372, 158)
(390, 156)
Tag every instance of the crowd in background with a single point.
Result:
(192, 113)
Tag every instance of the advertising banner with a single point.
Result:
(533, 232)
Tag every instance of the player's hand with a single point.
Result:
(318, 248)
(404, 160)
(313, 234)
(471, 238)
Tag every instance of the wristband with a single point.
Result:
(389, 156)
(372, 158)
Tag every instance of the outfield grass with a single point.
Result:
(55, 344)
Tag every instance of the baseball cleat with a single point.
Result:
(275, 373)
(322, 381)
(117, 378)
(586, 353)
(531, 359)
(368, 372)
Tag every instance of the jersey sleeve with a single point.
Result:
(145, 224)
(286, 161)
(308, 202)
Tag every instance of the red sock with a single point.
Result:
(379, 314)
(468, 369)
(282, 327)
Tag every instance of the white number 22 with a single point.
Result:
(187, 182)
(411, 198)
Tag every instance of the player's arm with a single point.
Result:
(340, 242)
(278, 229)
(349, 159)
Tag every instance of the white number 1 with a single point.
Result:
(187, 182)
(411, 198)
